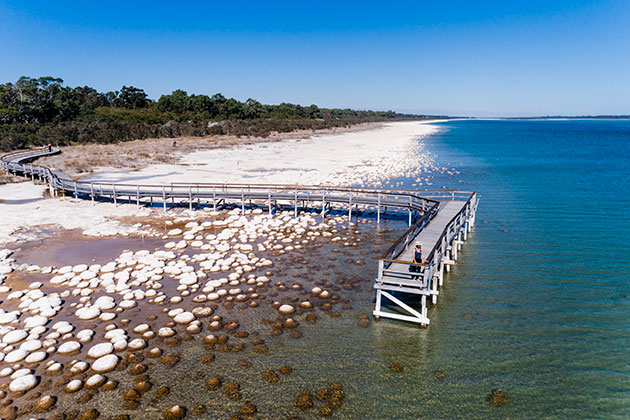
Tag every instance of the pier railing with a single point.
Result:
(214, 194)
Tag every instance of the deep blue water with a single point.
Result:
(545, 278)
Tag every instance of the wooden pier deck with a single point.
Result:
(430, 235)
(440, 220)
(443, 231)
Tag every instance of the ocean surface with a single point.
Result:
(539, 302)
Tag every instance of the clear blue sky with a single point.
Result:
(477, 58)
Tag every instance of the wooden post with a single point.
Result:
(214, 199)
(323, 203)
(76, 193)
(92, 191)
(138, 195)
(409, 211)
(296, 204)
(424, 305)
(350, 207)
(269, 200)
(242, 202)
(434, 286)
(378, 209)
(190, 199)
(378, 303)
(164, 198)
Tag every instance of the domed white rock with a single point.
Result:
(15, 356)
(36, 357)
(165, 332)
(184, 318)
(105, 303)
(100, 350)
(74, 385)
(88, 312)
(286, 309)
(23, 383)
(137, 344)
(69, 347)
(105, 364)
(14, 336)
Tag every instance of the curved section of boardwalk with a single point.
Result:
(440, 220)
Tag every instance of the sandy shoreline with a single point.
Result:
(81, 160)
(351, 157)
(363, 157)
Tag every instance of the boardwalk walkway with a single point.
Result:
(430, 235)
(440, 220)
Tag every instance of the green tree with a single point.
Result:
(131, 97)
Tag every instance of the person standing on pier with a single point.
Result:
(418, 258)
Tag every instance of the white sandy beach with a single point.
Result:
(358, 158)
(361, 157)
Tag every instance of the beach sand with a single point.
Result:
(363, 157)
(351, 157)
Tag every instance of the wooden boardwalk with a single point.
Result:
(440, 220)
(430, 235)
(441, 237)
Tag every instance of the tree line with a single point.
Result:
(38, 111)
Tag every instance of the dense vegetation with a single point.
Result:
(35, 112)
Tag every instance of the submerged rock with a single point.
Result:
(322, 394)
(45, 403)
(396, 367)
(90, 414)
(162, 392)
(270, 376)
(498, 397)
(175, 413)
(233, 391)
(304, 400)
(214, 383)
(248, 410)
(439, 375)
(285, 370)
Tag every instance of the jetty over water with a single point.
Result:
(439, 220)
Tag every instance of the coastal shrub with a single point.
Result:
(36, 112)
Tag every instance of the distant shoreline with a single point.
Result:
(560, 117)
